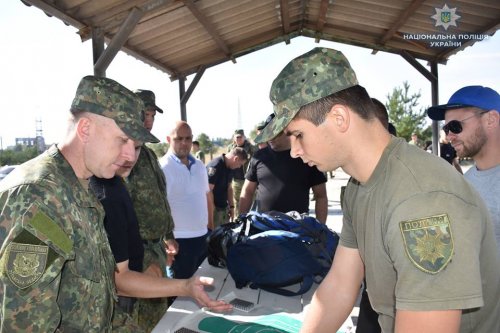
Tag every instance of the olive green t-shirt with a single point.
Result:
(425, 238)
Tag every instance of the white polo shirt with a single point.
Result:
(187, 195)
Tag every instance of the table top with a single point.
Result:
(185, 309)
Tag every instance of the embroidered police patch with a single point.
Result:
(211, 171)
(428, 242)
(26, 263)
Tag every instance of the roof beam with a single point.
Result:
(113, 18)
(285, 19)
(412, 7)
(323, 8)
(419, 67)
(118, 40)
(303, 6)
(209, 27)
(56, 12)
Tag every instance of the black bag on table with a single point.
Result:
(274, 250)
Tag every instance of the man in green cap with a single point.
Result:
(56, 266)
(239, 140)
(147, 187)
(413, 226)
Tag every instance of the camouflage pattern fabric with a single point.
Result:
(237, 185)
(307, 78)
(56, 266)
(149, 99)
(124, 323)
(108, 98)
(221, 216)
(239, 174)
(147, 187)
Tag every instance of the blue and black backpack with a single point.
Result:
(274, 250)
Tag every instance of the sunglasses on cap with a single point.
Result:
(455, 126)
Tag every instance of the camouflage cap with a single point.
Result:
(239, 132)
(307, 78)
(149, 99)
(108, 98)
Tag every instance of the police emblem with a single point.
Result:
(211, 171)
(26, 263)
(445, 17)
(428, 242)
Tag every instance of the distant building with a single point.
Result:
(28, 142)
(38, 142)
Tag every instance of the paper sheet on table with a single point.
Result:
(262, 319)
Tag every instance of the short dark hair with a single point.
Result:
(392, 129)
(240, 153)
(381, 112)
(196, 143)
(356, 98)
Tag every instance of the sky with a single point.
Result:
(42, 60)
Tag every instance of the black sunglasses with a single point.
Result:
(455, 126)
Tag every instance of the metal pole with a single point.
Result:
(182, 91)
(435, 101)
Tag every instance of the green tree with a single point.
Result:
(206, 145)
(18, 155)
(159, 149)
(404, 114)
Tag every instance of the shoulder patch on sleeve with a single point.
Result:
(43, 224)
(25, 263)
(211, 171)
(428, 242)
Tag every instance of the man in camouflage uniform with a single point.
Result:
(147, 187)
(239, 140)
(56, 266)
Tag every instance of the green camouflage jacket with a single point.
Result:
(56, 266)
(148, 190)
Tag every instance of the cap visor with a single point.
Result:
(158, 109)
(272, 129)
(437, 112)
(138, 133)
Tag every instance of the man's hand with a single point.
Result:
(196, 290)
(172, 248)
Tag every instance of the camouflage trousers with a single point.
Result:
(124, 323)
(221, 216)
(237, 185)
(148, 311)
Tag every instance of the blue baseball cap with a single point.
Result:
(471, 96)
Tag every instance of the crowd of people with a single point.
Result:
(99, 234)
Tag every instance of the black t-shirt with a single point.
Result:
(447, 152)
(283, 182)
(120, 221)
(220, 176)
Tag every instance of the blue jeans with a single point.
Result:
(192, 252)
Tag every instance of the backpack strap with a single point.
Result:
(305, 285)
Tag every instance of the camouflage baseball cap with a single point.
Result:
(149, 99)
(307, 78)
(108, 98)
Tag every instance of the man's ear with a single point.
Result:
(339, 116)
(169, 139)
(493, 119)
(83, 128)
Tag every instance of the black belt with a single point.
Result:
(151, 241)
(126, 303)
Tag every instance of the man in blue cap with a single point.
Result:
(472, 125)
